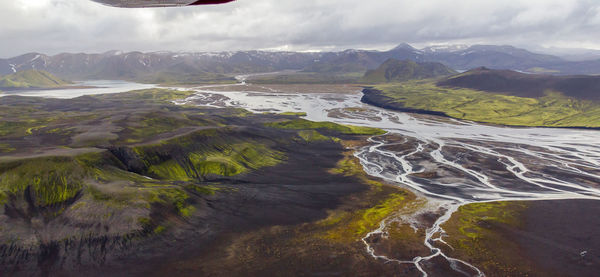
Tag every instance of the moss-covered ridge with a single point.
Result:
(202, 155)
(327, 127)
(552, 110)
(169, 174)
(49, 186)
(31, 79)
(47, 181)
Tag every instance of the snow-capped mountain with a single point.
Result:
(132, 65)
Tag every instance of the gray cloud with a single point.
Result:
(53, 26)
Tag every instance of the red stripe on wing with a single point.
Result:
(210, 2)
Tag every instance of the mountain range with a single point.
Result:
(138, 65)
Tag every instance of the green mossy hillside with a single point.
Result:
(46, 181)
(42, 183)
(31, 79)
(94, 184)
(223, 160)
(162, 173)
(205, 154)
(302, 124)
(106, 170)
(552, 110)
(169, 174)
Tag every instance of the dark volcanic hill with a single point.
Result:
(394, 70)
(526, 85)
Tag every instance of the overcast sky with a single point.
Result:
(54, 26)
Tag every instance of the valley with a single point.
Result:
(260, 138)
(302, 179)
(461, 166)
(109, 180)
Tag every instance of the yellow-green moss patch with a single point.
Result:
(312, 136)
(299, 124)
(50, 180)
(477, 234)
(294, 113)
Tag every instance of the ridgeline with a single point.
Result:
(394, 70)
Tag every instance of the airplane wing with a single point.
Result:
(158, 3)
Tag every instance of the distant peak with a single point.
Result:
(404, 46)
(393, 70)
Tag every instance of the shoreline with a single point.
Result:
(4, 89)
